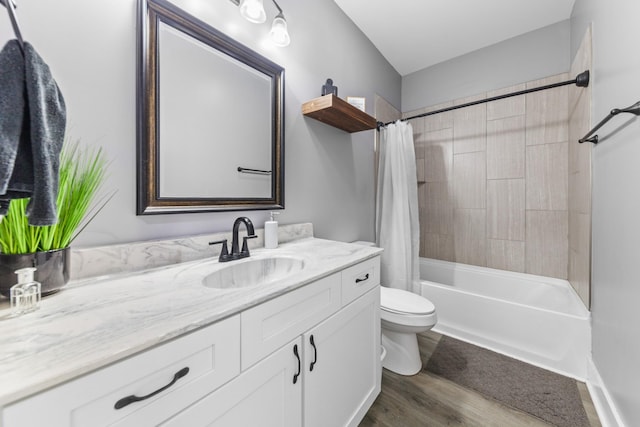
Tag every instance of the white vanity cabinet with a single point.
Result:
(308, 357)
(312, 358)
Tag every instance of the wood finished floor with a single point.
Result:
(427, 400)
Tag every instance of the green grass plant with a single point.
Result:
(82, 173)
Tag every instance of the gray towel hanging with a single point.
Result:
(31, 98)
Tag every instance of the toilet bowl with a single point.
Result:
(404, 314)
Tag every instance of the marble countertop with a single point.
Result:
(95, 322)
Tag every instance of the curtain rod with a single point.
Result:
(581, 80)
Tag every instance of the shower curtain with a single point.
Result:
(397, 226)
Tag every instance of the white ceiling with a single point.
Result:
(415, 34)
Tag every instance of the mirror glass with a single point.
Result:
(210, 125)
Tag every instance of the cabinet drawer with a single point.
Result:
(274, 323)
(360, 278)
(210, 354)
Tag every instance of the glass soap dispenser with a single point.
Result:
(271, 232)
(25, 295)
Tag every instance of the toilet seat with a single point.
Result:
(399, 301)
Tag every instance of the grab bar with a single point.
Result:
(634, 109)
(253, 171)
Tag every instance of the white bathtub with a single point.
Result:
(539, 320)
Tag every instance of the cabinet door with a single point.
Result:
(342, 369)
(264, 396)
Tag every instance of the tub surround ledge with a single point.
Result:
(98, 321)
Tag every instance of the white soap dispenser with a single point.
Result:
(271, 232)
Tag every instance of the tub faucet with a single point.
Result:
(236, 253)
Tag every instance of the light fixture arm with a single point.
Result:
(278, 7)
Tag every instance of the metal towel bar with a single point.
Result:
(253, 171)
(634, 109)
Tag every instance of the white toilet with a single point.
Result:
(403, 314)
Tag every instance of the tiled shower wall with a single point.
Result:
(580, 176)
(493, 181)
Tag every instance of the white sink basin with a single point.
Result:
(252, 272)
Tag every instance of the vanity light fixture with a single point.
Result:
(253, 11)
(279, 34)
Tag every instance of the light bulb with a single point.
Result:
(279, 34)
(253, 11)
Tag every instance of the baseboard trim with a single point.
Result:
(606, 409)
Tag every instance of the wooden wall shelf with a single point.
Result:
(338, 113)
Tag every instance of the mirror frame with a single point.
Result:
(149, 201)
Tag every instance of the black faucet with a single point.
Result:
(235, 252)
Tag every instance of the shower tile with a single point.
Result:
(579, 125)
(413, 112)
(580, 254)
(580, 232)
(580, 176)
(547, 243)
(508, 107)
(547, 177)
(438, 121)
(384, 110)
(506, 209)
(547, 117)
(419, 149)
(437, 246)
(418, 129)
(580, 192)
(580, 275)
(580, 156)
(505, 255)
(581, 62)
(470, 126)
(438, 155)
(437, 208)
(470, 180)
(420, 171)
(470, 238)
(506, 148)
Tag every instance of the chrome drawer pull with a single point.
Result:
(132, 398)
(366, 277)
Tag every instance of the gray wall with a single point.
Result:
(616, 204)
(531, 56)
(91, 48)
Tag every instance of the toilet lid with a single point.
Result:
(401, 301)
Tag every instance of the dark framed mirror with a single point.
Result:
(210, 118)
